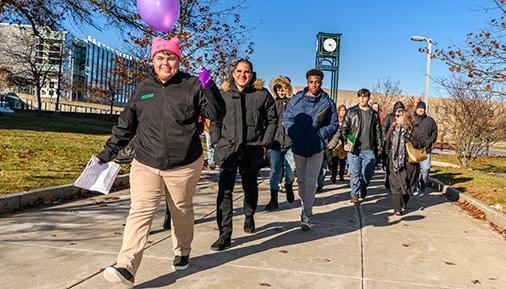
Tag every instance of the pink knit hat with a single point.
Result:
(160, 44)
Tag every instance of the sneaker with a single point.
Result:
(249, 225)
(305, 225)
(222, 243)
(319, 189)
(333, 180)
(272, 205)
(354, 199)
(119, 275)
(181, 263)
(289, 193)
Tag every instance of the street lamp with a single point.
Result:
(427, 75)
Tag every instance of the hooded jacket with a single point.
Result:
(164, 119)
(281, 140)
(390, 118)
(249, 124)
(310, 121)
(352, 124)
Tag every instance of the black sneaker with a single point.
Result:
(272, 205)
(249, 225)
(222, 243)
(363, 193)
(181, 263)
(289, 193)
(119, 275)
(354, 199)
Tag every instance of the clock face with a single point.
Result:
(329, 44)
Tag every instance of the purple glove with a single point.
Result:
(205, 78)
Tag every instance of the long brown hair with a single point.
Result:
(406, 120)
(340, 119)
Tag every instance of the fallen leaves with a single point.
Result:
(476, 281)
(283, 251)
(449, 263)
(405, 245)
(265, 285)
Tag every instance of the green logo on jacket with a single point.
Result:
(147, 96)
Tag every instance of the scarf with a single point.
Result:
(399, 148)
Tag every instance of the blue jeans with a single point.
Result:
(210, 150)
(361, 167)
(279, 159)
(424, 174)
(323, 172)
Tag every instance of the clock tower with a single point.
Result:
(327, 57)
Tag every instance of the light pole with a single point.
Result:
(427, 74)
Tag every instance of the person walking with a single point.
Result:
(210, 151)
(163, 115)
(336, 145)
(389, 120)
(281, 155)
(403, 174)
(310, 118)
(240, 142)
(428, 127)
(363, 135)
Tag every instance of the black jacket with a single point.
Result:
(390, 118)
(352, 124)
(165, 120)
(281, 139)
(428, 128)
(248, 126)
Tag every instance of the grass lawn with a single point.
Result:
(490, 189)
(482, 164)
(46, 150)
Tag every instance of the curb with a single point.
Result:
(491, 214)
(23, 200)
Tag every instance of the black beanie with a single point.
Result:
(421, 104)
(398, 105)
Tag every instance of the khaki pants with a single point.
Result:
(146, 189)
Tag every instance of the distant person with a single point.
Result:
(402, 173)
(240, 141)
(336, 145)
(363, 135)
(428, 127)
(310, 118)
(376, 107)
(281, 155)
(163, 115)
(210, 151)
(389, 120)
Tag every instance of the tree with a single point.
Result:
(385, 92)
(474, 119)
(211, 32)
(481, 62)
(5, 79)
(28, 66)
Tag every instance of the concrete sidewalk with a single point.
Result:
(434, 245)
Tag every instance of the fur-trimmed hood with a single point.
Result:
(257, 85)
(284, 82)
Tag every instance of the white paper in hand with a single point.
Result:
(98, 177)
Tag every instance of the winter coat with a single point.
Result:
(281, 140)
(428, 128)
(352, 124)
(310, 121)
(164, 119)
(248, 126)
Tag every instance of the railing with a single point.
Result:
(51, 106)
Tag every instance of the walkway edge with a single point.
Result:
(491, 214)
(23, 200)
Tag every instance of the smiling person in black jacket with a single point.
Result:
(240, 142)
(428, 127)
(163, 115)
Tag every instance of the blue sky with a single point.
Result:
(375, 43)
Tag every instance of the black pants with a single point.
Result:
(224, 207)
(335, 163)
(401, 185)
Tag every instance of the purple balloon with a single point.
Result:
(159, 14)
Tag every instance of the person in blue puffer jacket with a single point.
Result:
(310, 119)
